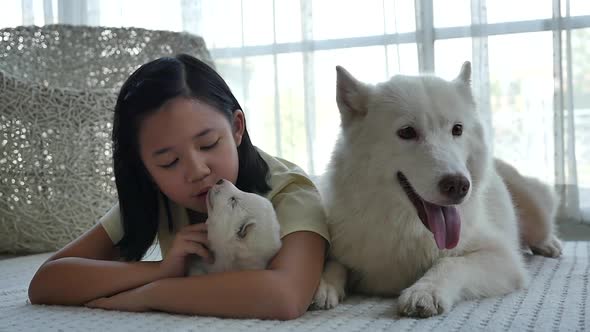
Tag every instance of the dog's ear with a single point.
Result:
(463, 81)
(465, 74)
(245, 228)
(351, 96)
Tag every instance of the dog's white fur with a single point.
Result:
(536, 208)
(243, 231)
(379, 244)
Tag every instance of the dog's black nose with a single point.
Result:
(220, 181)
(454, 187)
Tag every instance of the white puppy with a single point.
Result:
(243, 231)
(415, 205)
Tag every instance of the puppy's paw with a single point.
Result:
(422, 301)
(326, 296)
(551, 248)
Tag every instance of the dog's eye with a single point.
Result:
(457, 130)
(407, 133)
(233, 201)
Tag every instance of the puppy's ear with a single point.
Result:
(351, 96)
(245, 228)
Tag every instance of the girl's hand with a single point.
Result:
(191, 239)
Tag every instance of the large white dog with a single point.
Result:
(415, 204)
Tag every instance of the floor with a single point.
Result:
(573, 231)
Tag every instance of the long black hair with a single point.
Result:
(146, 90)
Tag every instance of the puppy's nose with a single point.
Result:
(454, 187)
(220, 181)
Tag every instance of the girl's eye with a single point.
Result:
(209, 147)
(169, 165)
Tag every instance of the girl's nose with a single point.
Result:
(197, 169)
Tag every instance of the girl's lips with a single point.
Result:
(203, 193)
(201, 197)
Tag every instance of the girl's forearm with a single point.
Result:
(247, 294)
(75, 281)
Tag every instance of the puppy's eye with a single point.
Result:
(407, 133)
(233, 201)
(457, 130)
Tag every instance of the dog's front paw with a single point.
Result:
(326, 296)
(422, 301)
(551, 248)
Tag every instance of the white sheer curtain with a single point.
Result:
(530, 61)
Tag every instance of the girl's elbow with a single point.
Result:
(292, 306)
(36, 298)
(33, 298)
(289, 312)
(35, 292)
(38, 291)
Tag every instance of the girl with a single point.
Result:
(178, 130)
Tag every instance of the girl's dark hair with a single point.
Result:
(146, 90)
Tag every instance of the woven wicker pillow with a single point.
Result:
(58, 87)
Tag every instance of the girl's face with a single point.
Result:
(187, 146)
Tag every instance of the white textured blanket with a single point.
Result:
(556, 300)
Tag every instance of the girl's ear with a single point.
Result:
(238, 126)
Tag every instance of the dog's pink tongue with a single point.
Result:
(444, 222)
